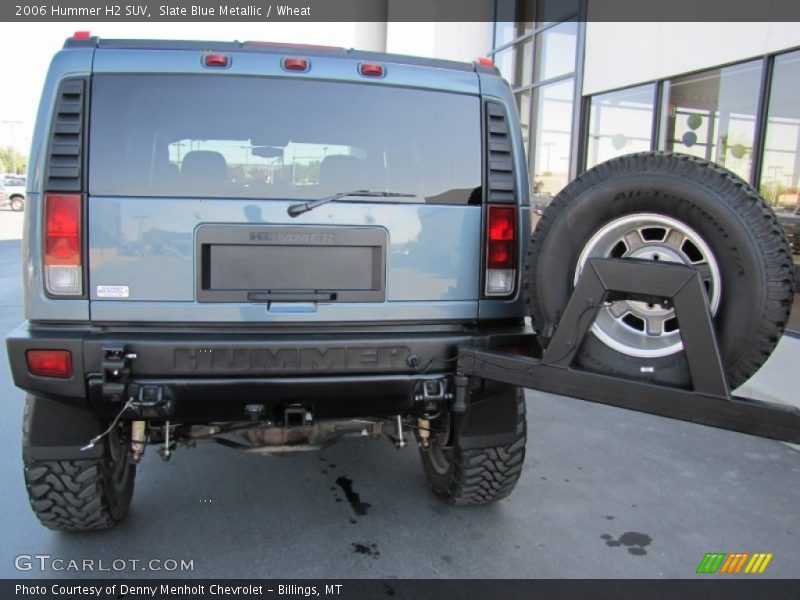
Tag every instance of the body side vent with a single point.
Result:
(500, 159)
(65, 152)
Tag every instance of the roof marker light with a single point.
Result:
(294, 64)
(81, 35)
(486, 62)
(371, 69)
(216, 60)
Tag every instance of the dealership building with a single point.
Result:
(587, 91)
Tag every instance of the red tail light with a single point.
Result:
(486, 62)
(63, 244)
(50, 363)
(81, 35)
(501, 250)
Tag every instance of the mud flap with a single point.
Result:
(490, 419)
(58, 431)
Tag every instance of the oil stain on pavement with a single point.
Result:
(634, 541)
(359, 507)
(366, 550)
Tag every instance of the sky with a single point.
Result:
(30, 46)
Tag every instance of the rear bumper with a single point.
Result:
(213, 375)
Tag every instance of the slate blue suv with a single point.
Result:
(274, 247)
(266, 244)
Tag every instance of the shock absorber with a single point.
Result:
(137, 441)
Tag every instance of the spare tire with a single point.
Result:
(675, 208)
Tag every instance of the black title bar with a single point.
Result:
(398, 10)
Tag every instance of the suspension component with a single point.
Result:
(138, 429)
(424, 432)
(400, 442)
(166, 450)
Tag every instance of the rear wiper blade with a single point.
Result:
(296, 210)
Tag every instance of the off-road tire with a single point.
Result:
(77, 495)
(479, 476)
(749, 245)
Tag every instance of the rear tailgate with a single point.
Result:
(191, 176)
(149, 256)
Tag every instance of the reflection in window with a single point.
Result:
(620, 123)
(551, 134)
(780, 169)
(555, 50)
(505, 32)
(515, 64)
(294, 164)
(713, 115)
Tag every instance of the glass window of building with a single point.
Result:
(555, 50)
(551, 133)
(780, 167)
(535, 49)
(506, 32)
(620, 122)
(713, 115)
(516, 63)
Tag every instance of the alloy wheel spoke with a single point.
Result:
(633, 240)
(675, 239)
(655, 325)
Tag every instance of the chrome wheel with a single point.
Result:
(639, 328)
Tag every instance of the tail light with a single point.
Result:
(50, 363)
(63, 246)
(501, 250)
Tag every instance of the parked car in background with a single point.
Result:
(14, 193)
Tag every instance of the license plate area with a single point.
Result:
(274, 263)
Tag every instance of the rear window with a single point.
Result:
(248, 137)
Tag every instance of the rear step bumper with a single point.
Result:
(215, 375)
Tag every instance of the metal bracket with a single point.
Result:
(116, 370)
(709, 403)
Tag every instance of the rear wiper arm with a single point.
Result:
(295, 210)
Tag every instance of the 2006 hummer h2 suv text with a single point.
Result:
(273, 247)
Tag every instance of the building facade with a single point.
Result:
(588, 91)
